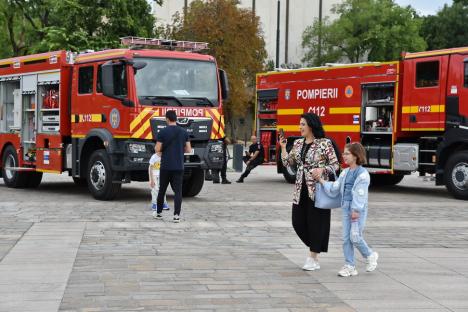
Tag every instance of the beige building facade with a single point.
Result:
(295, 16)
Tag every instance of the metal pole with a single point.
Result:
(278, 35)
(253, 7)
(319, 48)
(286, 39)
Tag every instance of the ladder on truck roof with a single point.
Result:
(191, 46)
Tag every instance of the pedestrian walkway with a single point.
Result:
(35, 272)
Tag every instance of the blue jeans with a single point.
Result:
(348, 245)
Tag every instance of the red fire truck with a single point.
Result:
(95, 115)
(411, 115)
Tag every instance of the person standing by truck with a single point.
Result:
(312, 154)
(217, 172)
(172, 142)
(254, 157)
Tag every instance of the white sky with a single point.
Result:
(425, 7)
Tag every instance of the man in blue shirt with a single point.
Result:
(172, 142)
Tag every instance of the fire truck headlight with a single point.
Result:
(136, 148)
(216, 148)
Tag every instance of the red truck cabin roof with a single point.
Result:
(130, 54)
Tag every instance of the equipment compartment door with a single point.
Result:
(424, 92)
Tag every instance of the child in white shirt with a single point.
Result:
(153, 173)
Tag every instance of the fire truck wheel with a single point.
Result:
(99, 176)
(289, 174)
(386, 179)
(193, 185)
(16, 179)
(456, 175)
(34, 179)
(80, 181)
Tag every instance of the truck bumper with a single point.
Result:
(204, 156)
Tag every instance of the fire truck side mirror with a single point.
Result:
(224, 84)
(114, 82)
(108, 79)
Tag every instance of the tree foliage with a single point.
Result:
(366, 30)
(234, 38)
(447, 29)
(31, 26)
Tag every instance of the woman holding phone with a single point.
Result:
(313, 155)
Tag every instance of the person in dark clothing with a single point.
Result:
(253, 158)
(223, 170)
(172, 142)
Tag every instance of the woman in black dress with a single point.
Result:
(313, 153)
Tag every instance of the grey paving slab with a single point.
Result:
(34, 273)
(236, 250)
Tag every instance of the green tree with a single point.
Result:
(447, 29)
(234, 38)
(366, 30)
(30, 26)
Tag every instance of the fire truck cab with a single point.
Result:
(410, 115)
(96, 115)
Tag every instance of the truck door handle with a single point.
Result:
(412, 118)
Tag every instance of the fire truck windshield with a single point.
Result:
(177, 82)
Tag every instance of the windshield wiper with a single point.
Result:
(203, 101)
(162, 99)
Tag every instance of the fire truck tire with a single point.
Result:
(81, 182)
(15, 179)
(386, 179)
(194, 184)
(34, 179)
(456, 175)
(289, 174)
(99, 176)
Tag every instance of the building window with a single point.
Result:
(85, 80)
(427, 74)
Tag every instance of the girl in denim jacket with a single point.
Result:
(353, 185)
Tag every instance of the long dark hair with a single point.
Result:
(313, 121)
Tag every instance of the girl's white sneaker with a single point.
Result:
(347, 270)
(371, 261)
(311, 264)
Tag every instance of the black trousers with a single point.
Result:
(311, 224)
(223, 170)
(251, 166)
(175, 177)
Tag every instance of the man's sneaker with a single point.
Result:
(226, 182)
(176, 219)
(347, 270)
(165, 206)
(371, 261)
(240, 181)
(154, 207)
(157, 215)
(311, 265)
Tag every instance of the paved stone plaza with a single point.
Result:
(235, 250)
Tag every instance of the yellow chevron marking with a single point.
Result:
(145, 126)
(345, 110)
(139, 118)
(290, 111)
